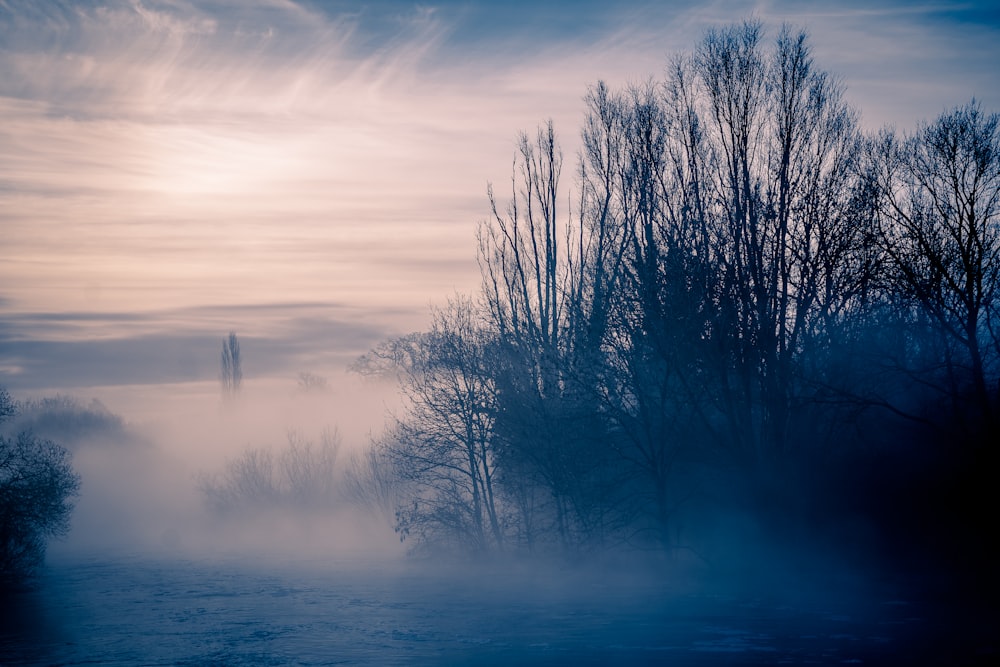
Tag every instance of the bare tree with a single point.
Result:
(940, 227)
(309, 469)
(442, 447)
(547, 279)
(712, 305)
(651, 333)
(520, 255)
(722, 218)
(782, 222)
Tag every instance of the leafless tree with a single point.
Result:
(781, 220)
(442, 446)
(715, 302)
(547, 279)
(648, 316)
(940, 227)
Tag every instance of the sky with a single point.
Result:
(310, 174)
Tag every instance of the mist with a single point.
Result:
(150, 557)
(548, 335)
(143, 479)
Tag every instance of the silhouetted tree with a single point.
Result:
(789, 247)
(940, 229)
(650, 314)
(713, 315)
(37, 485)
(546, 279)
(442, 447)
(732, 247)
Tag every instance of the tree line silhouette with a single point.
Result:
(745, 302)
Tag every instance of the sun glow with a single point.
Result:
(195, 161)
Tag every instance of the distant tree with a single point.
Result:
(309, 469)
(232, 367)
(37, 485)
(247, 480)
(311, 383)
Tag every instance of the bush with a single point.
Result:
(37, 485)
(302, 475)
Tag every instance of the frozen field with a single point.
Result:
(222, 611)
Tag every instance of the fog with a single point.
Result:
(717, 382)
(143, 476)
(151, 573)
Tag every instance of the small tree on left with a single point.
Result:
(37, 487)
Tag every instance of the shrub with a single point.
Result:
(301, 475)
(37, 485)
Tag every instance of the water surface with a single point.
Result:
(231, 611)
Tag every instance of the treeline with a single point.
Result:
(744, 302)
